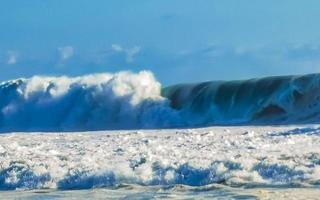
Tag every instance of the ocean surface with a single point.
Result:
(124, 136)
(129, 192)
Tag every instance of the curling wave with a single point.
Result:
(128, 100)
(271, 100)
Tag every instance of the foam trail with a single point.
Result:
(100, 101)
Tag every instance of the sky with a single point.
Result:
(178, 40)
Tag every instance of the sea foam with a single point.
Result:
(233, 156)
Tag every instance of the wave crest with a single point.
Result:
(100, 101)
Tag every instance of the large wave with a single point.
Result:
(271, 100)
(128, 100)
(102, 101)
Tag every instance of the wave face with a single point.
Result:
(272, 100)
(128, 100)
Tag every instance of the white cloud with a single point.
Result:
(66, 52)
(12, 57)
(129, 52)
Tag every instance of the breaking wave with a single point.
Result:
(101, 101)
(21, 176)
(128, 100)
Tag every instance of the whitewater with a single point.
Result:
(123, 135)
(101, 101)
(226, 162)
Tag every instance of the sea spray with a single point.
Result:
(100, 101)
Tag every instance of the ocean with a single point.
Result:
(124, 136)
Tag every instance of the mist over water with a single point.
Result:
(128, 100)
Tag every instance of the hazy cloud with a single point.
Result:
(12, 57)
(116, 48)
(66, 52)
(129, 52)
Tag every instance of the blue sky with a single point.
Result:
(179, 40)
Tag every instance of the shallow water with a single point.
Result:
(169, 192)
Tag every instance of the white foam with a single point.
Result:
(272, 156)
